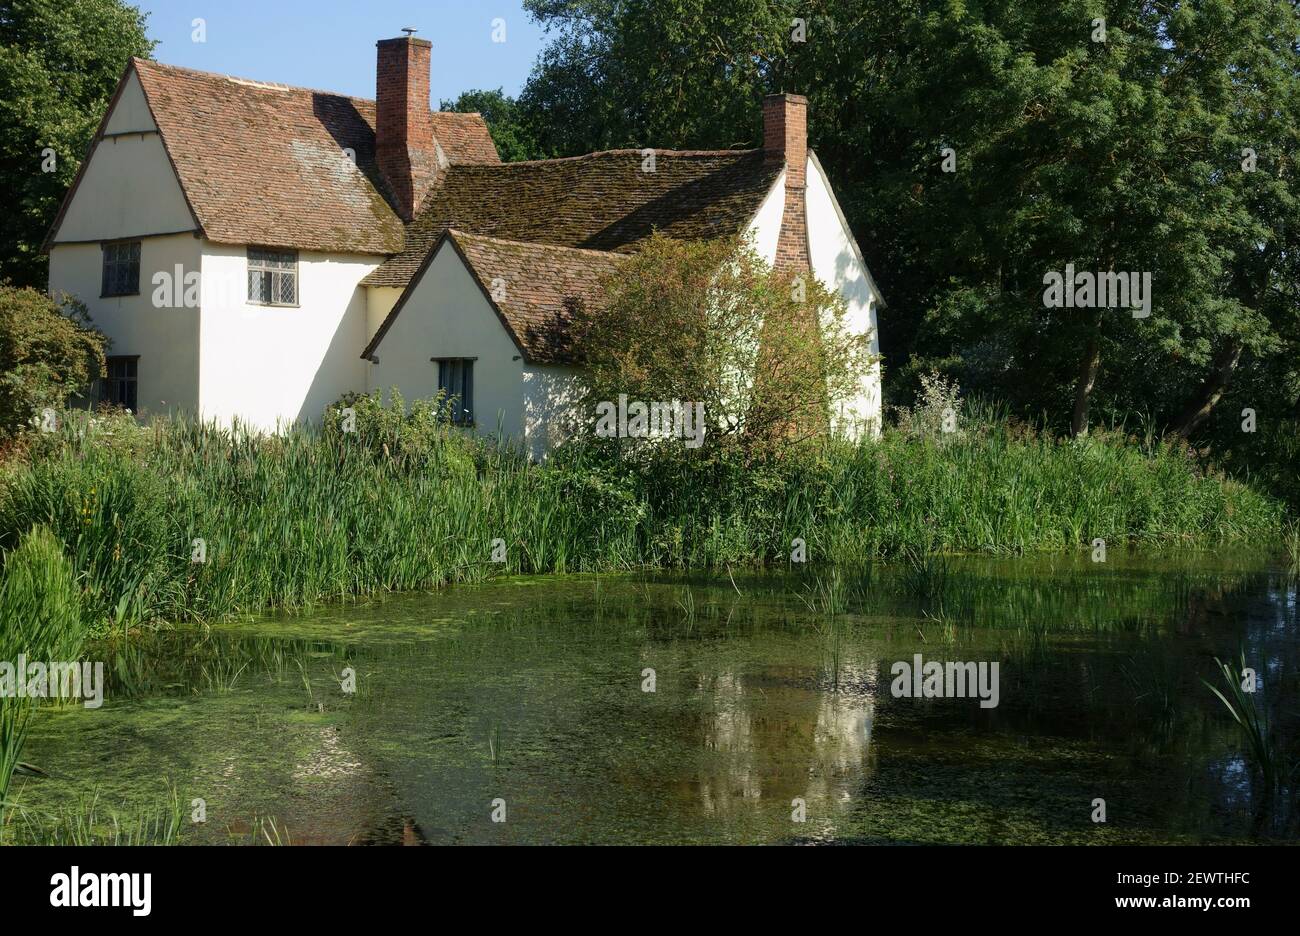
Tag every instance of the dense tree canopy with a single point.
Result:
(514, 138)
(1162, 141)
(60, 61)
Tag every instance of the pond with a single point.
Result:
(730, 708)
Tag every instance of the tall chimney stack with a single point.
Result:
(404, 148)
(785, 140)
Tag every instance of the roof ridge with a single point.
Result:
(280, 86)
(458, 233)
(246, 82)
(630, 152)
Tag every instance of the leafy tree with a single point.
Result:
(513, 137)
(60, 61)
(710, 322)
(1114, 153)
(649, 73)
(48, 353)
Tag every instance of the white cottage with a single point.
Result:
(255, 250)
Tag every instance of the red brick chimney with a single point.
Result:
(404, 148)
(785, 140)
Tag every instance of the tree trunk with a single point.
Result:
(1211, 390)
(1088, 368)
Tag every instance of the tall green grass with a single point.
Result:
(1291, 540)
(88, 821)
(404, 504)
(41, 617)
(1269, 756)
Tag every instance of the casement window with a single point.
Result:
(118, 386)
(272, 277)
(121, 269)
(456, 381)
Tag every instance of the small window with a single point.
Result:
(118, 386)
(456, 381)
(121, 269)
(272, 277)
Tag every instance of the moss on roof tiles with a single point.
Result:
(602, 201)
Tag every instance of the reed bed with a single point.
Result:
(41, 617)
(184, 521)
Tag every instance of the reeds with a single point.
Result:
(310, 516)
(41, 619)
(88, 821)
(1268, 755)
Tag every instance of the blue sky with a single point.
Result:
(330, 44)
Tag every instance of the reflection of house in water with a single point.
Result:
(776, 734)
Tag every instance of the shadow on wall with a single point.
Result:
(553, 396)
(341, 369)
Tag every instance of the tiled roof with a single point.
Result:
(265, 164)
(533, 287)
(602, 201)
(464, 138)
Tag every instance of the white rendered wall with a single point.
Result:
(552, 395)
(128, 188)
(447, 316)
(379, 302)
(166, 339)
(765, 228)
(837, 263)
(131, 112)
(269, 365)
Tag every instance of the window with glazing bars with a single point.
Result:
(118, 386)
(121, 269)
(456, 381)
(272, 276)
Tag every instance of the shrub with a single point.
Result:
(48, 353)
(937, 412)
(770, 355)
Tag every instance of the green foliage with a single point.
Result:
(40, 601)
(88, 821)
(420, 437)
(515, 139)
(768, 354)
(1117, 155)
(48, 352)
(648, 73)
(1271, 763)
(60, 61)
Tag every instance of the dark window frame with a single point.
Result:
(117, 273)
(455, 380)
(271, 268)
(120, 389)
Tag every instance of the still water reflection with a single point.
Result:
(769, 691)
